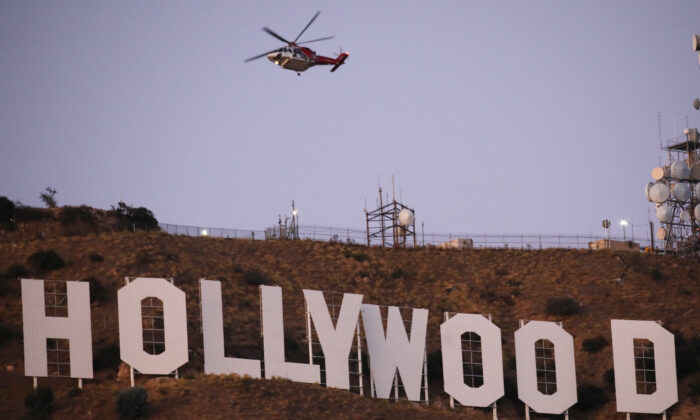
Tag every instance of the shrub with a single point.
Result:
(134, 218)
(46, 260)
(291, 345)
(687, 355)
(29, 214)
(132, 403)
(591, 397)
(17, 270)
(5, 333)
(500, 272)
(562, 306)
(7, 212)
(256, 278)
(74, 392)
(593, 345)
(435, 366)
(98, 293)
(38, 403)
(694, 388)
(656, 274)
(359, 256)
(510, 386)
(96, 258)
(81, 214)
(398, 273)
(609, 377)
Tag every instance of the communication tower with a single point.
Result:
(289, 229)
(676, 190)
(676, 195)
(391, 224)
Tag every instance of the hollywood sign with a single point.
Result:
(391, 350)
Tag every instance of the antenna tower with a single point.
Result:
(392, 224)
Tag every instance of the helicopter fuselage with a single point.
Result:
(293, 58)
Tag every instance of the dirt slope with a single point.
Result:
(509, 284)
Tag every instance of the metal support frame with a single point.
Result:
(397, 380)
(56, 305)
(527, 408)
(682, 237)
(383, 225)
(132, 371)
(334, 312)
(522, 323)
(494, 406)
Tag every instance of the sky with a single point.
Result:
(492, 116)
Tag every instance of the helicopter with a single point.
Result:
(297, 58)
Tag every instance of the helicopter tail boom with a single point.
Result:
(339, 61)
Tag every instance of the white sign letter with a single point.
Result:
(563, 342)
(129, 300)
(213, 333)
(76, 328)
(273, 340)
(336, 341)
(386, 354)
(491, 359)
(623, 335)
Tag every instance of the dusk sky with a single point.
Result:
(494, 117)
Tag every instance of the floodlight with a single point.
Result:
(204, 232)
(623, 222)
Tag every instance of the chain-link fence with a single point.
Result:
(359, 236)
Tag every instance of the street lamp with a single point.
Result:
(204, 232)
(295, 222)
(623, 223)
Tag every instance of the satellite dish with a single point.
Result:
(646, 194)
(696, 42)
(659, 193)
(661, 234)
(695, 172)
(696, 103)
(606, 224)
(680, 170)
(664, 213)
(681, 192)
(696, 212)
(685, 215)
(659, 173)
(406, 217)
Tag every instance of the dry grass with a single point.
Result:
(509, 284)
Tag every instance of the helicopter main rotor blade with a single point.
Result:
(271, 32)
(261, 55)
(307, 25)
(318, 39)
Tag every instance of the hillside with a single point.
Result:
(509, 284)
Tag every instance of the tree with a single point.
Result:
(135, 218)
(48, 197)
(7, 212)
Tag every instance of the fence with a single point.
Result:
(359, 236)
